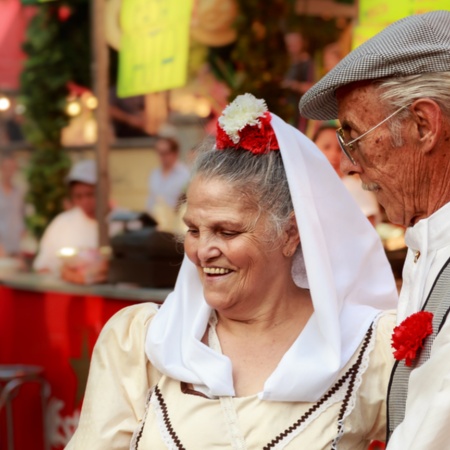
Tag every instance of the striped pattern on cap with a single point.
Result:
(413, 45)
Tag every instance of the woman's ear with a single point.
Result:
(427, 116)
(291, 237)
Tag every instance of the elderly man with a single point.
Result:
(392, 97)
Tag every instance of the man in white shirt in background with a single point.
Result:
(75, 228)
(168, 182)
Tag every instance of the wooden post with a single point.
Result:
(100, 68)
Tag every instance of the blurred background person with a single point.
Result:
(75, 230)
(127, 115)
(332, 54)
(12, 211)
(325, 139)
(167, 183)
(300, 75)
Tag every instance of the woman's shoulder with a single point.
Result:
(379, 352)
(378, 359)
(130, 322)
(384, 325)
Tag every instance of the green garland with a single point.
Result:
(57, 46)
(260, 55)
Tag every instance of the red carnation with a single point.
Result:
(408, 337)
(256, 139)
(222, 139)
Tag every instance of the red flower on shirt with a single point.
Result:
(408, 337)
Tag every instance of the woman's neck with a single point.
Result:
(256, 346)
(270, 315)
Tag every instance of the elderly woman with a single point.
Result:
(276, 334)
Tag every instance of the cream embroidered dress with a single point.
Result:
(116, 414)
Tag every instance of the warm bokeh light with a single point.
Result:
(91, 102)
(20, 109)
(73, 108)
(5, 103)
(66, 252)
(203, 108)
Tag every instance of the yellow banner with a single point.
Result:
(154, 45)
(385, 12)
(423, 6)
(362, 33)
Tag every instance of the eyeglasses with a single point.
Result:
(347, 147)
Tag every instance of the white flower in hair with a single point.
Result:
(245, 110)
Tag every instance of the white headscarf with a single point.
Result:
(347, 272)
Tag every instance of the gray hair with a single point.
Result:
(400, 91)
(261, 179)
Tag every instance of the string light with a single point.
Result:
(73, 108)
(92, 102)
(5, 103)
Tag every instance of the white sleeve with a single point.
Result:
(120, 376)
(427, 414)
(49, 245)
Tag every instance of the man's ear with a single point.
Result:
(427, 116)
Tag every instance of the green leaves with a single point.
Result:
(58, 52)
(260, 55)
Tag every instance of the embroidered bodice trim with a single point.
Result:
(344, 390)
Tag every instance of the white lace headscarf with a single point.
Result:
(341, 260)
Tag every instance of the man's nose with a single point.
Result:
(347, 167)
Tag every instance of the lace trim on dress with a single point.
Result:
(363, 359)
(168, 434)
(234, 430)
(343, 390)
(139, 430)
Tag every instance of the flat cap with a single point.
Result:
(411, 46)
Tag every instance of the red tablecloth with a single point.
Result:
(56, 331)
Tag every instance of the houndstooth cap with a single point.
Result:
(413, 45)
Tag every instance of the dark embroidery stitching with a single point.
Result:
(167, 422)
(139, 435)
(351, 373)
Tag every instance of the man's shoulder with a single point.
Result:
(181, 169)
(70, 214)
(68, 218)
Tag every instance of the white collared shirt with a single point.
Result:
(425, 426)
(167, 187)
(431, 238)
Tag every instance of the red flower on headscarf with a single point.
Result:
(408, 337)
(245, 123)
